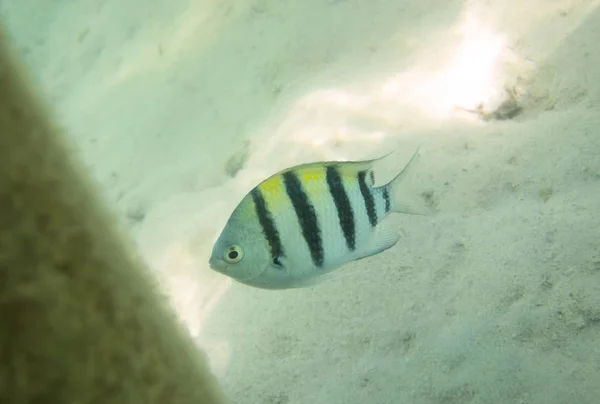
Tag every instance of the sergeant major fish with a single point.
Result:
(305, 221)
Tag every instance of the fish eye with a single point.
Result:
(234, 254)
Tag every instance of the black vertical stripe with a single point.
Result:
(386, 198)
(342, 205)
(307, 217)
(368, 197)
(268, 224)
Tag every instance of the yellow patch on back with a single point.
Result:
(312, 177)
(309, 175)
(273, 192)
(313, 180)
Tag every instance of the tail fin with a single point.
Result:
(406, 195)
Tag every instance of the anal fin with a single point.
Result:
(383, 238)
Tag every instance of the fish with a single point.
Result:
(306, 221)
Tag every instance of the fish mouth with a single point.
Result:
(217, 264)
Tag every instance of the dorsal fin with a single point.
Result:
(350, 167)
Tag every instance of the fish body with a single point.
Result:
(303, 222)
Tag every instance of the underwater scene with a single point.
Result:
(349, 201)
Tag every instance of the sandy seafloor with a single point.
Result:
(180, 107)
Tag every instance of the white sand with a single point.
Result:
(496, 299)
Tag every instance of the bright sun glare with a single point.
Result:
(331, 119)
(465, 81)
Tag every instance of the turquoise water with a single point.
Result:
(179, 108)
